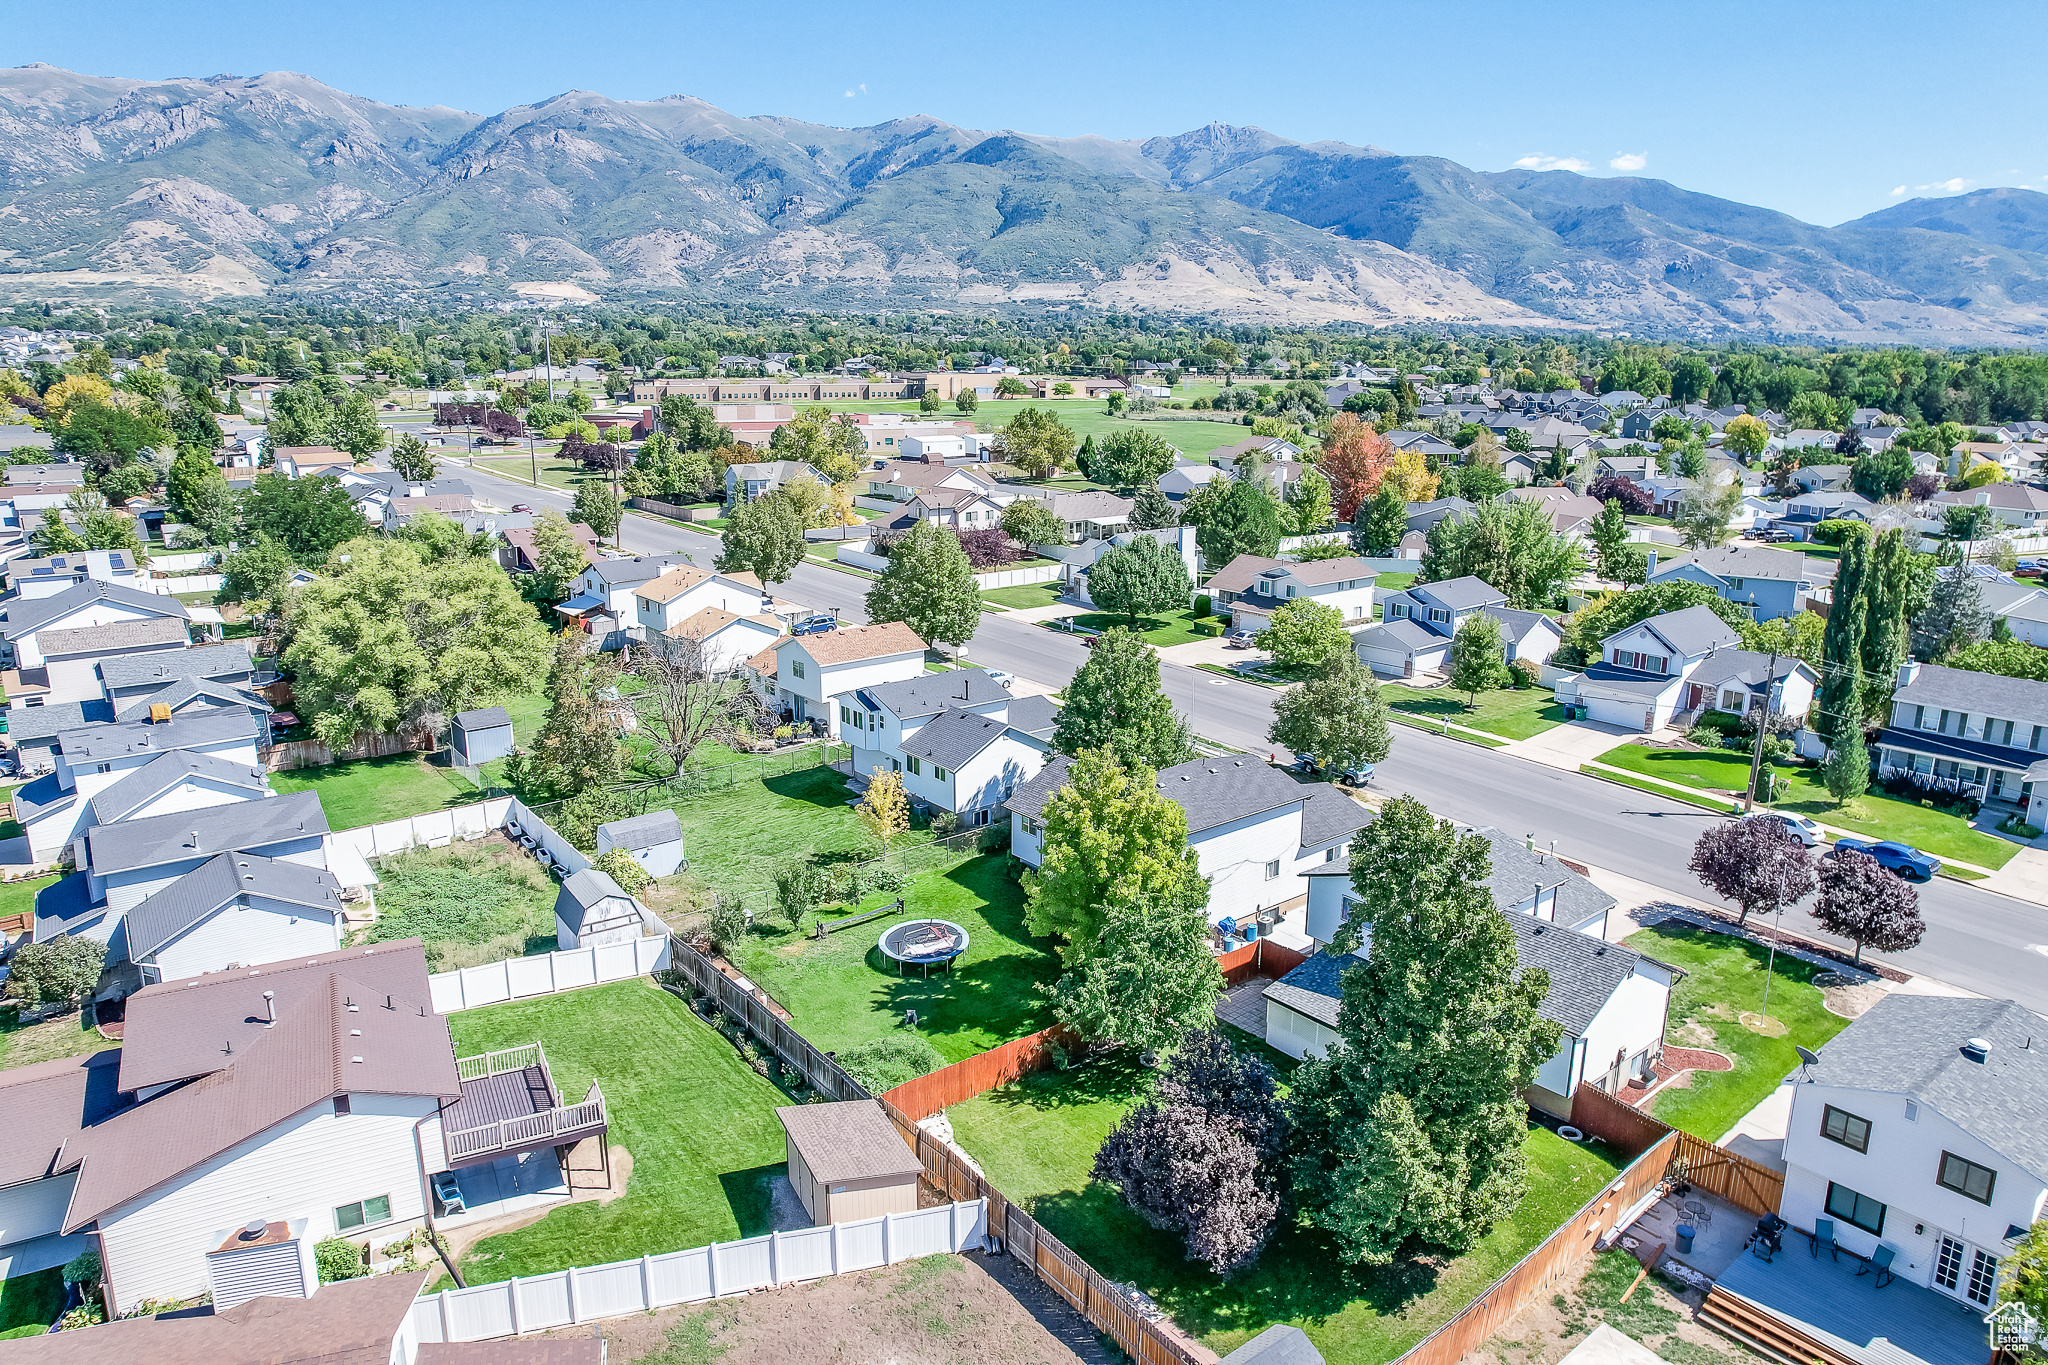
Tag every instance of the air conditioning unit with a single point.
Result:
(261, 1258)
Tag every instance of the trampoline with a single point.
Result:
(924, 943)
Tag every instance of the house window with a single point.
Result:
(104, 768)
(1397, 609)
(1839, 1125)
(938, 774)
(916, 765)
(342, 1106)
(1272, 869)
(1967, 1178)
(1439, 615)
(796, 668)
(1857, 1210)
(1265, 588)
(1997, 732)
(1290, 590)
(363, 1213)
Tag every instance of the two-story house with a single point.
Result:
(1639, 681)
(663, 603)
(961, 741)
(2015, 506)
(745, 482)
(31, 578)
(1077, 561)
(91, 603)
(902, 480)
(1255, 830)
(1254, 587)
(1417, 625)
(601, 599)
(57, 807)
(1920, 1130)
(1771, 583)
(1978, 734)
(803, 677)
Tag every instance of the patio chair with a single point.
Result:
(1823, 1236)
(1881, 1261)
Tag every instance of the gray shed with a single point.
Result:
(591, 909)
(480, 736)
(655, 840)
(1281, 1344)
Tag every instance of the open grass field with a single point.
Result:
(1025, 595)
(1800, 790)
(843, 992)
(1725, 981)
(472, 903)
(1510, 713)
(65, 1035)
(1037, 1140)
(699, 1124)
(554, 472)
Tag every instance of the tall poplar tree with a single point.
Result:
(1840, 700)
(1884, 619)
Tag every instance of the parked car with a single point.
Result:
(998, 677)
(1241, 638)
(1904, 859)
(1803, 829)
(818, 624)
(2027, 568)
(522, 507)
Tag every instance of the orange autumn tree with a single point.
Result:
(1355, 458)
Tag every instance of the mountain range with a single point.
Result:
(278, 184)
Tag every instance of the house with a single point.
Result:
(516, 553)
(1804, 511)
(477, 737)
(953, 446)
(957, 508)
(46, 475)
(1807, 438)
(721, 640)
(400, 513)
(1255, 830)
(900, 481)
(1639, 680)
(1271, 449)
(1254, 587)
(235, 908)
(1610, 1001)
(685, 590)
(32, 578)
(848, 1162)
(591, 910)
(745, 482)
(604, 592)
(1919, 1130)
(1821, 478)
(1570, 513)
(1769, 582)
(1979, 734)
(804, 676)
(1423, 516)
(961, 741)
(71, 656)
(1076, 561)
(1183, 479)
(1635, 468)
(1423, 443)
(1416, 627)
(655, 841)
(310, 462)
(1093, 515)
(1739, 681)
(91, 603)
(93, 759)
(2014, 505)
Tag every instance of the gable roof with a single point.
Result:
(161, 839)
(1693, 630)
(1738, 561)
(581, 901)
(1329, 815)
(167, 666)
(930, 693)
(1517, 872)
(191, 899)
(177, 694)
(673, 584)
(142, 785)
(1462, 594)
(29, 723)
(1962, 689)
(1746, 667)
(634, 568)
(26, 618)
(848, 1140)
(643, 831)
(952, 737)
(484, 718)
(1090, 505)
(214, 725)
(849, 644)
(165, 633)
(48, 1105)
(1035, 715)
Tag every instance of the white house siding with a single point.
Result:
(986, 782)
(1026, 839)
(735, 643)
(88, 782)
(1295, 1034)
(822, 687)
(737, 598)
(1560, 1075)
(1631, 1023)
(1234, 858)
(155, 1245)
(123, 891)
(195, 794)
(266, 931)
(34, 1208)
(28, 652)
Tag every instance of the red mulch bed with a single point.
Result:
(1675, 1063)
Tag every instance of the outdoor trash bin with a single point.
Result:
(1685, 1235)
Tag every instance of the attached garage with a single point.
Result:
(1640, 705)
(1401, 649)
(847, 1161)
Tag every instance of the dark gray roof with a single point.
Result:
(1330, 815)
(1315, 987)
(591, 897)
(144, 784)
(1462, 594)
(1695, 630)
(637, 568)
(1034, 715)
(643, 831)
(65, 907)
(951, 738)
(176, 694)
(35, 799)
(1281, 1344)
(930, 693)
(220, 881)
(1910, 1045)
(1029, 800)
(1405, 631)
(25, 618)
(215, 725)
(244, 825)
(1517, 872)
(1514, 625)
(1740, 560)
(1424, 515)
(206, 661)
(1629, 681)
(159, 634)
(29, 723)
(1744, 666)
(488, 718)
(1960, 689)
(1216, 791)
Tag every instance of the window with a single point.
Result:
(104, 768)
(363, 1213)
(1439, 615)
(1397, 609)
(1839, 1125)
(916, 765)
(1912, 1111)
(1272, 869)
(1997, 731)
(846, 715)
(1857, 1210)
(938, 774)
(796, 668)
(1290, 590)
(342, 1106)
(1967, 1178)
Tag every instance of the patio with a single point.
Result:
(1719, 1230)
(1846, 1314)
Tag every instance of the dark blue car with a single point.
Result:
(1903, 859)
(815, 625)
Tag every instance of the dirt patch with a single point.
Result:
(1851, 999)
(586, 1185)
(942, 1310)
(1692, 1033)
(1773, 1027)
(1660, 1314)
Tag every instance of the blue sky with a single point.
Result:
(1823, 110)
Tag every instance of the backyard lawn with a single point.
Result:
(1510, 713)
(1724, 981)
(64, 1035)
(1874, 813)
(30, 1303)
(842, 992)
(1037, 1139)
(370, 790)
(1173, 628)
(472, 903)
(734, 837)
(699, 1123)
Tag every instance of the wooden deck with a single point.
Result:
(507, 1108)
(1847, 1315)
(493, 1099)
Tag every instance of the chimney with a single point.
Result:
(1908, 671)
(270, 1009)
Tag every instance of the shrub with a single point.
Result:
(889, 1062)
(726, 924)
(623, 868)
(577, 818)
(62, 969)
(1526, 673)
(1202, 605)
(945, 822)
(84, 1268)
(800, 884)
(338, 1259)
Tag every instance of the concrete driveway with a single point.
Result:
(1571, 744)
(1195, 653)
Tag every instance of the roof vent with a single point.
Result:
(254, 1229)
(269, 1009)
(1977, 1049)
(355, 1059)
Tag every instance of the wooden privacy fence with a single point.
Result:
(1748, 1185)
(752, 1008)
(963, 1080)
(1260, 957)
(1625, 1128)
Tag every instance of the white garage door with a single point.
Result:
(1384, 658)
(1627, 712)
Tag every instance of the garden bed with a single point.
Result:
(472, 903)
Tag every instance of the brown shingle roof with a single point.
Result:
(672, 584)
(47, 1106)
(850, 1140)
(1240, 573)
(858, 642)
(710, 620)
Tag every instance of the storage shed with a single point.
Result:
(655, 840)
(847, 1161)
(591, 909)
(480, 736)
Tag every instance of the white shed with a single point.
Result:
(655, 840)
(592, 909)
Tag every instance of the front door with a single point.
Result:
(1965, 1272)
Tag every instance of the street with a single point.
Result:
(1979, 940)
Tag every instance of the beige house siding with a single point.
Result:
(855, 1199)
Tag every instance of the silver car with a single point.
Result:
(1802, 829)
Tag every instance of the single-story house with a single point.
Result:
(745, 482)
(1770, 582)
(1414, 634)
(721, 639)
(655, 840)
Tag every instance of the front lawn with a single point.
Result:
(1173, 628)
(1025, 594)
(555, 472)
(369, 791)
(1874, 813)
(699, 1124)
(843, 992)
(1037, 1139)
(472, 903)
(30, 1303)
(1724, 981)
(1510, 713)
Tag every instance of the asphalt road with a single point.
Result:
(1979, 940)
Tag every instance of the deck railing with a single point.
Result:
(530, 1130)
(487, 1064)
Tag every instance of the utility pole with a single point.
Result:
(1763, 727)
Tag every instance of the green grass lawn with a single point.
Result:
(1037, 1139)
(842, 992)
(1025, 595)
(1705, 802)
(734, 837)
(1172, 628)
(19, 897)
(1800, 790)
(30, 1303)
(1724, 980)
(370, 790)
(472, 903)
(554, 473)
(1514, 714)
(699, 1123)
(64, 1035)
(1393, 582)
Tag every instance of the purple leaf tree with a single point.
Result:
(1756, 862)
(1867, 905)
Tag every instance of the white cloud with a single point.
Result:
(1899, 192)
(1628, 161)
(1538, 162)
(857, 90)
(1953, 186)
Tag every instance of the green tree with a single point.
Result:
(1110, 837)
(1609, 535)
(1882, 475)
(1885, 588)
(578, 745)
(764, 537)
(929, 586)
(1745, 437)
(966, 400)
(299, 416)
(1838, 706)
(834, 446)
(1142, 578)
(1148, 978)
(597, 507)
(1244, 521)
(54, 536)
(1029, 521)
(666, 469)
(1223, 352)
(622, 867)
(1038, 443)
(1691, 380)
(1308, 503)
(1955, 616)
(1115, 702)
(1337, 717)
(1704, 514)
(690, 425)
(1150, 510)
(1615, 611)
(58, 970)
(257, 572)
(1797, 636)
(308, 516)
(413, 460)
(1305, 633)
(2023, 1280)
(1381, 522)
(352, 426)
(1478, 661)
(1131, 456)
(929, 401)
(559, 557)
(1511, 546)
(1846, 774)
(192, 469)
(1412, 1126)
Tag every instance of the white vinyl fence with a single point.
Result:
(860, 559)
(517, 978)
(539, 1302)
(992, 578)
(560, 849)
(431, 830)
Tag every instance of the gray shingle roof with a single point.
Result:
(951, 738)
(1959, 689)
(849, 1140)
(1740, 561)
(26, 724)
(175, 695)
(206, 661)
(1029, 800)
(643, 831)
(930, 693)
(161, 839)
(163, 634)
(1330, 815)
(1404, 631)
(1517, 873)
(1514, 625)
(487, 718)
(1695, 630)
(635, 569)
(1461, 594)
(160, 774)
(1910, 1045)
(1744, 666)
(591, 899)
(220, 881)
(1034, 715)
(25, 618)
(215, 725)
